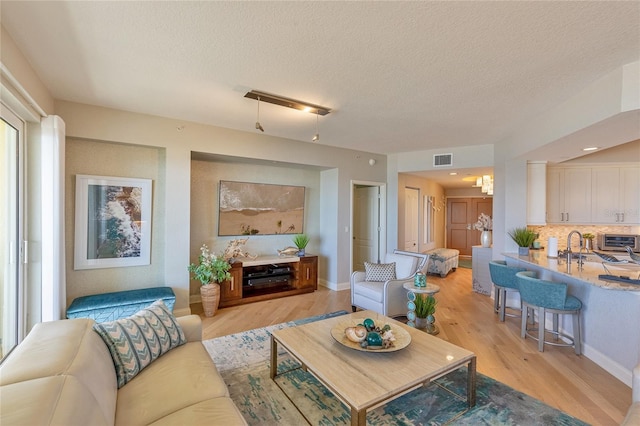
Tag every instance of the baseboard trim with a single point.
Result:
(334, 286)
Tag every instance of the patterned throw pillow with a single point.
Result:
(380, 271)
(137, 341)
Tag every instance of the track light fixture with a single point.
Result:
(316, 137)
(286, 102)
(258, 125)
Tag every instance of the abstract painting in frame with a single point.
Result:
(113, 222)
(260, 209)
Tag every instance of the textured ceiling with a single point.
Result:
(399, 76)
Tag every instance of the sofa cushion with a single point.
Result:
(380, 271)
(137, 341)
(183, 377)
(405, 265)
(67, 347)
(373, 290)
(223, 410)
(54, 400)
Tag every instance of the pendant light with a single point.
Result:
(316, 137)
(258, 125)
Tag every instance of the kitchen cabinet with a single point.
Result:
(569, 195)
(536, 193)
(616, 195)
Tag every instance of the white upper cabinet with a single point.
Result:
(568, 195)
(616, 195)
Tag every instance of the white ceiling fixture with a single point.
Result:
(486, 183)
(258, 125)
(287, 102)
(316, 137)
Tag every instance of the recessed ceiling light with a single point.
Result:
(453, 174)
(590, 148)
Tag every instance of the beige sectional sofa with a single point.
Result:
(63, 374)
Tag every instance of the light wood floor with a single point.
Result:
(571, 383)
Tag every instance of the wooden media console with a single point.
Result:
(269, 277)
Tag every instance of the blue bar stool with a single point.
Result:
(548, 297)
(504, 279)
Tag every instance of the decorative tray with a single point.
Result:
(403, 338)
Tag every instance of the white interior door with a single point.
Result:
(366, 226)
(411, 218)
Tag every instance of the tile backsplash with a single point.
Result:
(562, 231)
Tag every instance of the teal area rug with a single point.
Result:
(243, 361)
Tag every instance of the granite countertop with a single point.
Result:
(592, 268)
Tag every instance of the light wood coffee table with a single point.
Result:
(364, 380)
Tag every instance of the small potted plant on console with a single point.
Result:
(301, 241)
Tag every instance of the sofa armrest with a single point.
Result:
(192, 327)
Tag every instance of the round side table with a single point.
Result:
(430, 290)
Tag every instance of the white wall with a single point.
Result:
(333, 200)
(205, 179)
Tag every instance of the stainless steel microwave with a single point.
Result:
(618, 242)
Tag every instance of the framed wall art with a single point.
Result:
(260, 209)
(113, 222)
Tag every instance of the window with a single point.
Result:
(11, 273)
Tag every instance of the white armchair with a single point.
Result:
(388, 297)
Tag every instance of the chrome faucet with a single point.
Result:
(569, 251)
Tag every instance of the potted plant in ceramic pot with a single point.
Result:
(211, 270)
(524, 237)
(425, 308)
(301, 241)
(588, 241)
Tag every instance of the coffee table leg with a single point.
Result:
(274, 358)
(358, 418)
(471, 382)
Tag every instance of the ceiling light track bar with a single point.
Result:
(287, 102)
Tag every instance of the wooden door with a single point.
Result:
(462, 213)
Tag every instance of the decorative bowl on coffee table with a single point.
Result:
(403, 338)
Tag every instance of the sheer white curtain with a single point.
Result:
(53, 244)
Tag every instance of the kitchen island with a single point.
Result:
(610, 318)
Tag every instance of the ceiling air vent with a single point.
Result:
(441, 160)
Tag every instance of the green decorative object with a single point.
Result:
(374, 339)
(420, 280)
(369, 324)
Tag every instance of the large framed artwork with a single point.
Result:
(113, 222)
(260, 209)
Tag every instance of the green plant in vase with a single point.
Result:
(524, 238)
(211, 270)
(301, 241)
(425, 308)
(588, 241)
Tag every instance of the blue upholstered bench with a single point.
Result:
(442, 260)
(121, 304)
